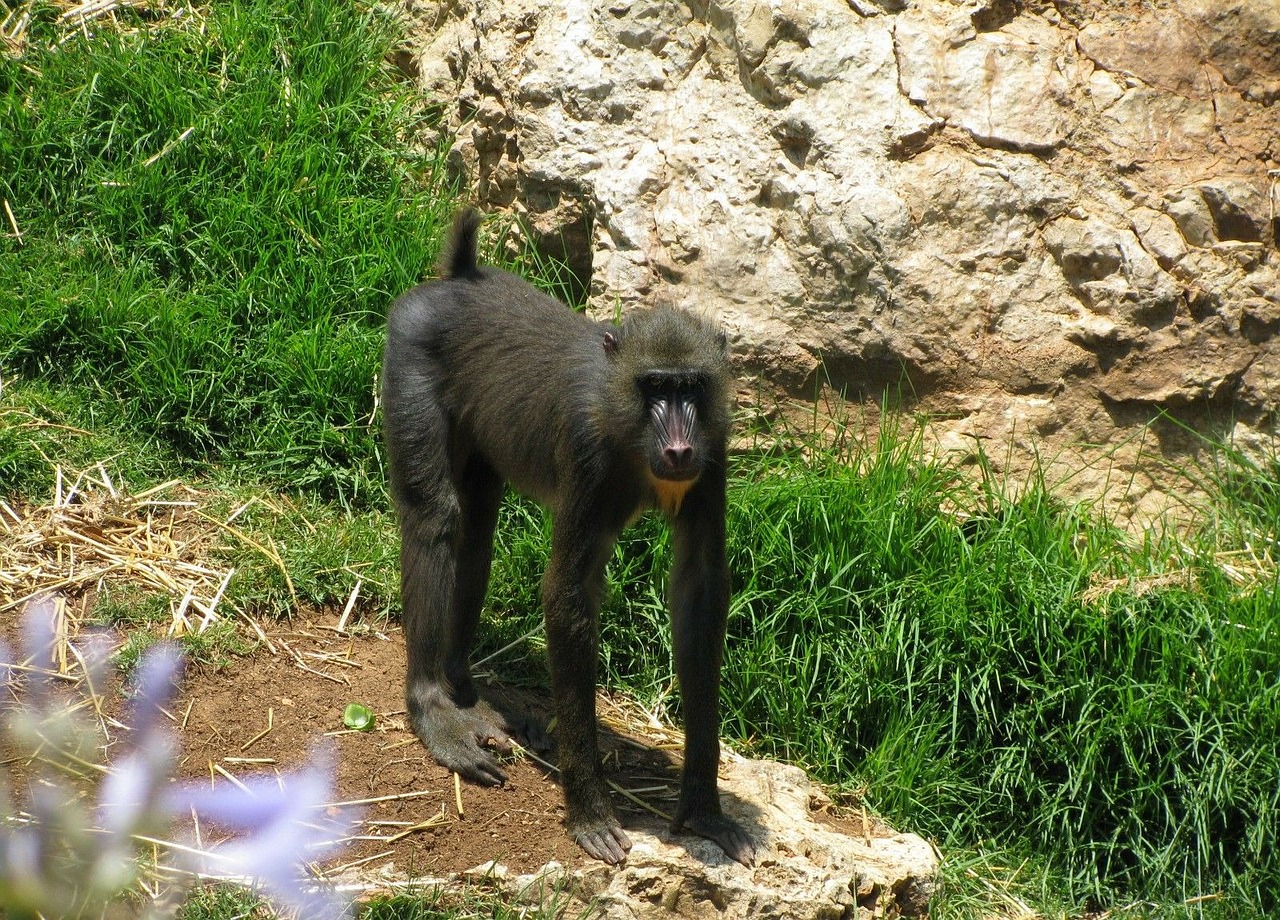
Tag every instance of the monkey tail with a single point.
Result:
(459, 256)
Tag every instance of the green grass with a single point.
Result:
(472, 903)
(224, 902)
(219, 291)
(952, 664)
(1078, 716)
(221, 902)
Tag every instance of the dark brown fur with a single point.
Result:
(488, 381)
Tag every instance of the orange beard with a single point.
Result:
(670, 493)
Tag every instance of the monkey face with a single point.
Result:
(674, 446)
(666, 397)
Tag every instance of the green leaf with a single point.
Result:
(359, 717)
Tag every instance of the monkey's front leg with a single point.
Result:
(699, 805)
(572, 590)
(699, 611)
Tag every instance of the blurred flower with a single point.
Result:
(62, 858)
(281, 824)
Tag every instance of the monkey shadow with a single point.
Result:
(643, 770)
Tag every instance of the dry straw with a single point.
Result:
(80, 20)
(93, 534)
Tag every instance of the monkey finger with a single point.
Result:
(493, 775)
(500, 741)
(608, 844)
(737, 844)
(473, 764)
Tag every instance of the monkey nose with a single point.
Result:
(679, 456)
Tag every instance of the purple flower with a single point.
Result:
(71, 861)
(134, 787)
(8, 676)
(39, 624)
(281, 825)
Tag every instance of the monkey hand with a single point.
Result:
(736, 842)
(605, 842)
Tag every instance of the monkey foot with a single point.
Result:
(736, 842)
(607, 843)
(457, 739)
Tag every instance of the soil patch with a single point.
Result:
(301, 691)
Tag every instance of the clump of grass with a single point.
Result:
(132, 650)
(215, 217)
(436, 903)
(44, 428)
(934, 639)
(1242, 532)
(297, 550)
(143, 615)
(128, 607)
(218, 902)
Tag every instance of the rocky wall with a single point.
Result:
(1051, 224)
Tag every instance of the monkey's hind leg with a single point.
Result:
(446, 534)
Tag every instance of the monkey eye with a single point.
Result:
(670, 383)
(653, 384)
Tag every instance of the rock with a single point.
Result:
(1165, 53)
(1243, 38)
(811, 870)
(1111, 272)
(816, 864)
(1238, 208)
(1190, 212)
(1006, 88)
(1191, 369)
(1160, 236)
(972, 203)
(1259, 319)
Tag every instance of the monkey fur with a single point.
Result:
(487, 381)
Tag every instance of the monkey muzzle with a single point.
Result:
(675, 423)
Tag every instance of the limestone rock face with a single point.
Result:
(1050, 222)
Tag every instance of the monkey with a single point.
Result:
(486, 382)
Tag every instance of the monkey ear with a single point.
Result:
(723, 340)
(610, 344)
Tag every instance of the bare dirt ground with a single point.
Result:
(414, 822)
